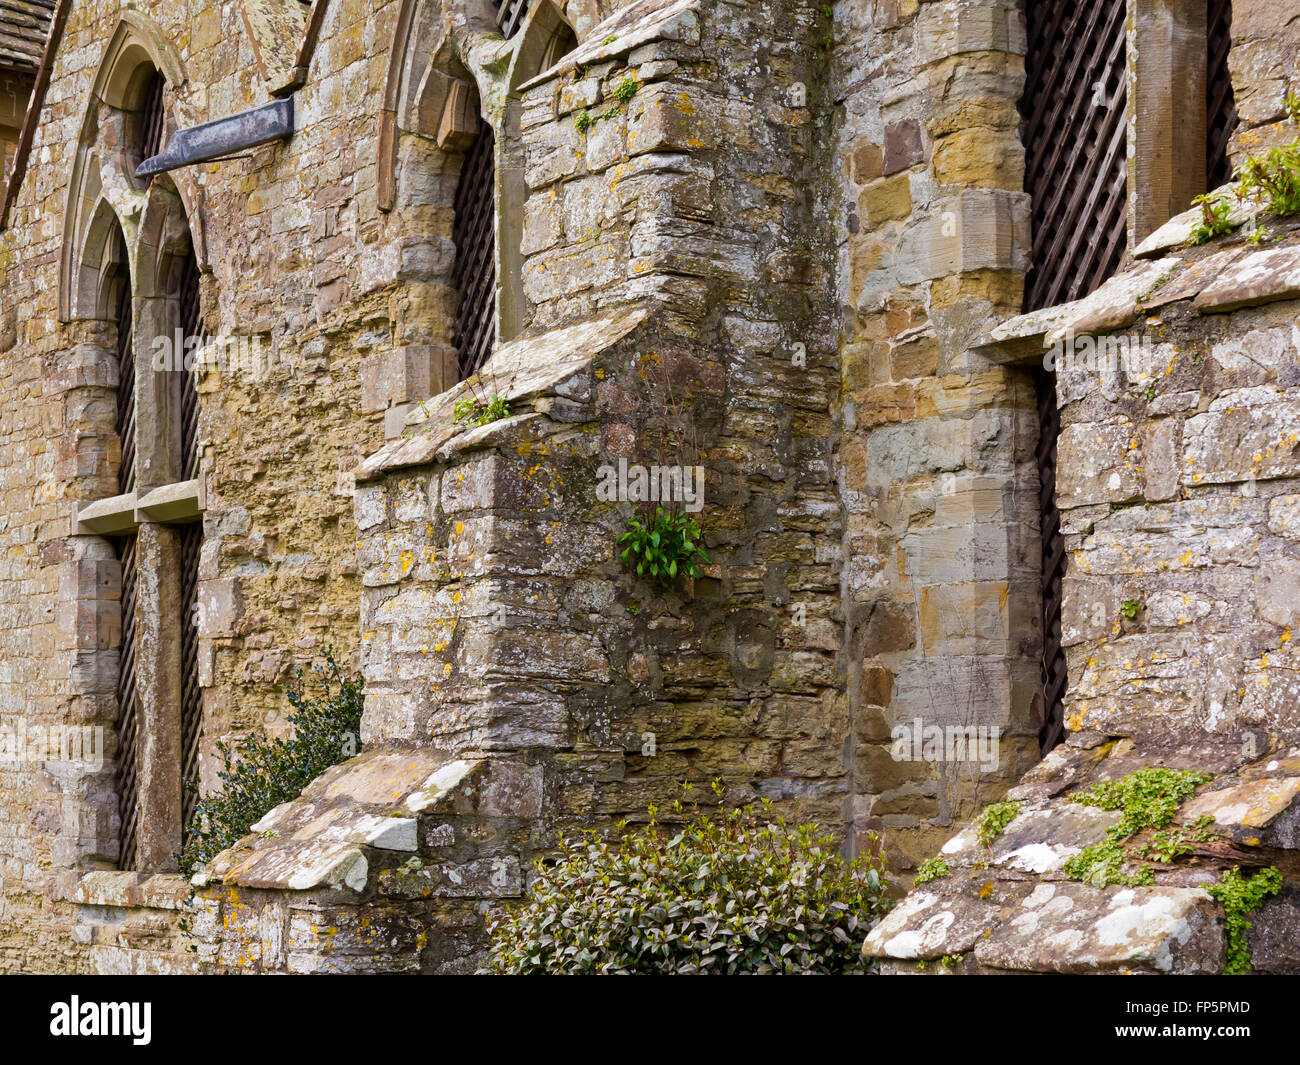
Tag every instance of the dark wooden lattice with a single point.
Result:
(1075, 135)
(191, 693)
(192, 328)
(1221, 106)
(1052, 729)
(475, 236)
(125, 422)
(1074, 131)
(127, 709)
(510, 15)
(151, 134)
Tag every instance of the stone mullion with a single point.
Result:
(1167, 50)
(158, 673)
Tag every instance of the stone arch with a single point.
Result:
(166, 251)
(448, 67)
(105, 159)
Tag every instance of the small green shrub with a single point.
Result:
(931, 869)
(625, 90)
(994, 820)
(1239, 897)
(326, 731)
(469, 411)
(1149, 797)
(1131, 608)
(729, 894)
(1103, 863)
(664, 546)
(583, 122)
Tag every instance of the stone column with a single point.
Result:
(158, 680)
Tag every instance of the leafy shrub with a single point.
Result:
(326, 731)
(931, 869)
(1147, 798)
(664, 546)
(732, 894)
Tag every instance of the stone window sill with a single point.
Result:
(120, 514)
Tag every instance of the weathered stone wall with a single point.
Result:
(676, 282)
(1177, 467)
(299, 262)
(937, 455)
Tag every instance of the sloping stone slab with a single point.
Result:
(1262, 277)
(628, 28)
(1177, 231)
(319, 839)
(555, 364)
(929, 924)
(1255, 811)
(1073, 928)
(1114, 305)
(1192, 279)
(1036, 841)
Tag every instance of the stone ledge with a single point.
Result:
(643, 22)
(550, 371)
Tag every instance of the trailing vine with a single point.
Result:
(1239, 897)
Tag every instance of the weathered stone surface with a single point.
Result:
(928, 924)
(1076, 928)
(1259, 278)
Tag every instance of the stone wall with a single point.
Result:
(676, 280)
(941, 582)
(303, 268)
(1177, 474)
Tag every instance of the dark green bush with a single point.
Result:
(736, 893)
(326, 731)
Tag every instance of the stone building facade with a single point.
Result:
(788, 244)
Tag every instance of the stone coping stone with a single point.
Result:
(320, 839)
(1263, 811)
(643, 22)
(1263, 277)
(935, 920)
(1074, 928)
(1113, 306)
(555, 365)
(1178, 230)
(1038, 840)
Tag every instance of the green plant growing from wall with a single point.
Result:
(663, 546)
(994, 820)
(1131, 608)
(470, 411)
(729, 893)
(1214, 221)
(1146, 798)
(625, 90)
(931, 869)
(1239, 897)
(269, 771)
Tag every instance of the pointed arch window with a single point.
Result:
(155, 524)
(474, 234)
(153, 118)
